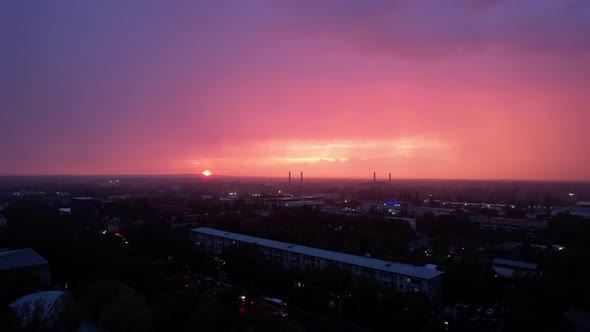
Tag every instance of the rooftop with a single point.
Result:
(84, 198)
(508, 245)
(371, 263)
(294, 198)
(15, 259)
(517, 264)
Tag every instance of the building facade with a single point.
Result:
(509, 225)
(284, 202)
(514, 269)
(84, 206)
(403, 277)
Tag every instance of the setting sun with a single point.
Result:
(207, 172)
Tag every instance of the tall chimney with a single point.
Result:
(302, 177)
(374, 177)
(389, 178)
(289, 177)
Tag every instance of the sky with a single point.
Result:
(447, 89)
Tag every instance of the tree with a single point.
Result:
(115, 306)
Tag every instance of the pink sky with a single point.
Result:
(448, 89)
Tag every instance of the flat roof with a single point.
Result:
(15, 259)
(371, 263)
(508, 245)
(520, 220)
(511, 263)
(293, 198)
(84, 198)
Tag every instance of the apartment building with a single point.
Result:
(403, 277)
(284, 202)
(509, 225)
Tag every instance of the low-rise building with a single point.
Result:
(509, 250)
(403, 277)
(410, 221)
(509, 225)
(83, 206)
(513, 269)
(24, 263)
(580, 211)
(294, 202)
(65, 211)
(422, 210)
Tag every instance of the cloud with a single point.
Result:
(480, 4)
(328, 157)
(443, 27)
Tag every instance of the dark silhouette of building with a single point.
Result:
(24, 264)
(84, 206)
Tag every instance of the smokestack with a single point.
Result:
(374, 177)
(389, 178)
(289, 177)
(302, 178)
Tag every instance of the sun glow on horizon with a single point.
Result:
(207, 173)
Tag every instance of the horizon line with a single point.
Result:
(199, 175)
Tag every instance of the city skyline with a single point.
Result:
(452, 89)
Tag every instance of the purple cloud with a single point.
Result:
(433, 28)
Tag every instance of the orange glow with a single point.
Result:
(383, 86)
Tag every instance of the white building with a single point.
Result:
(403, 277)
(294, 201)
